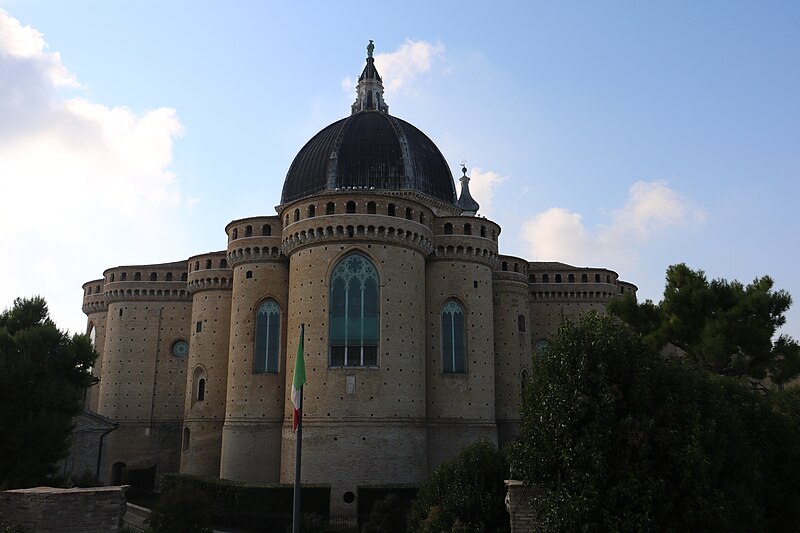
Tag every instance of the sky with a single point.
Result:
(627, 135)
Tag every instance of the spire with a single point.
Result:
(369, 91)
(465, 201)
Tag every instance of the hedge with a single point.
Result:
(251, 505)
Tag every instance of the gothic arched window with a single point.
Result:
(453, 352)
(354, 321)
(268, 327)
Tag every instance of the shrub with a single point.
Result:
(181, 511)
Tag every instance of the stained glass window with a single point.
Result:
(354, 322)
(453, 359)
(268, 327)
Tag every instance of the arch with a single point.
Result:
(296, 215)
(558, 278)
(123, 276)
(453, 338)
(409, 213)
(266, 230)
(248, 231)
(391, 210)
(483, 231)
(521, 323)
(571, 278)
(268, 335)
(312, 211)
(200, 377)
(197, 265)
(137, 276)
(350, 207)
(209, 263)
(371, 208)
(235, 233)
(523, 379)
(467, 229)
(330, 208)
(421, 217)
(448, 229)
(354, 315)
(597, 278)
(584, 278)
(545, 278)
(223, 263)
(504, 266)
(169, 276)
(183, 276)
(112, 277)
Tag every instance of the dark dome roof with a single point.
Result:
(369, 149)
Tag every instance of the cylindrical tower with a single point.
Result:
(210, 282)
(143, 378)
(512, 344)
(357, 280)
(95, 308)
(251, 437)
(460, 332)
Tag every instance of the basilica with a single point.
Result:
(418, 339)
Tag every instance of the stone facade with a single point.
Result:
(210, 409)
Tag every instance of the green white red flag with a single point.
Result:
(299, 380)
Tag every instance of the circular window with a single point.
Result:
(180, 348)
(349, 497)
(540, 346)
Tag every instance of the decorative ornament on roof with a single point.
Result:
(369, 91)
(465, 200)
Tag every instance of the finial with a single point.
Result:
(464, 166)
(465, 201)
(370, 48)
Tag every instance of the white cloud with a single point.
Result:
(651, 207)
(401, 68)
(77, 179)
(482, 185)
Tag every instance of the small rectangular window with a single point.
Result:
(199, 326)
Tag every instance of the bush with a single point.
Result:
(466, 494)
(181, 511)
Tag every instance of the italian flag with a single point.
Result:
(299, 381)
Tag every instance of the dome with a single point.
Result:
(369, 150)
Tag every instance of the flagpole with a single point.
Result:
(298, 381)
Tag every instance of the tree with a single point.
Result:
(618, 437)
(43, 376)
(724, 327)
(466, 494)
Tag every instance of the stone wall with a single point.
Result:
(518, 498)
(45, 509)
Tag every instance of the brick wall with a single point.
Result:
(45, 509)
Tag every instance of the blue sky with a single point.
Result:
(632, 135)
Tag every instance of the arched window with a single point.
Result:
(597, 278)
(483, 231)
(223, 263)
(248, 231)
(312, 211)
(350, 207)
(137, 276)
(123, 276)
(390, 210)
(330, 208)
(354, 308)
(169, 276)
(448, 229)
(558, 278)
(467, 229)
(266, 230)
(197, 265)
(453, 337)
(183, 276)
(504, 266)
(268, 328)
(296, 215)
(545, 278)
(112, 277)
(371, 208)
(235, 233)
(521, 323)
(200, 378)
(409, 214)
(209, 263)
(153, 276)
(584, 278)
(571, 278)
